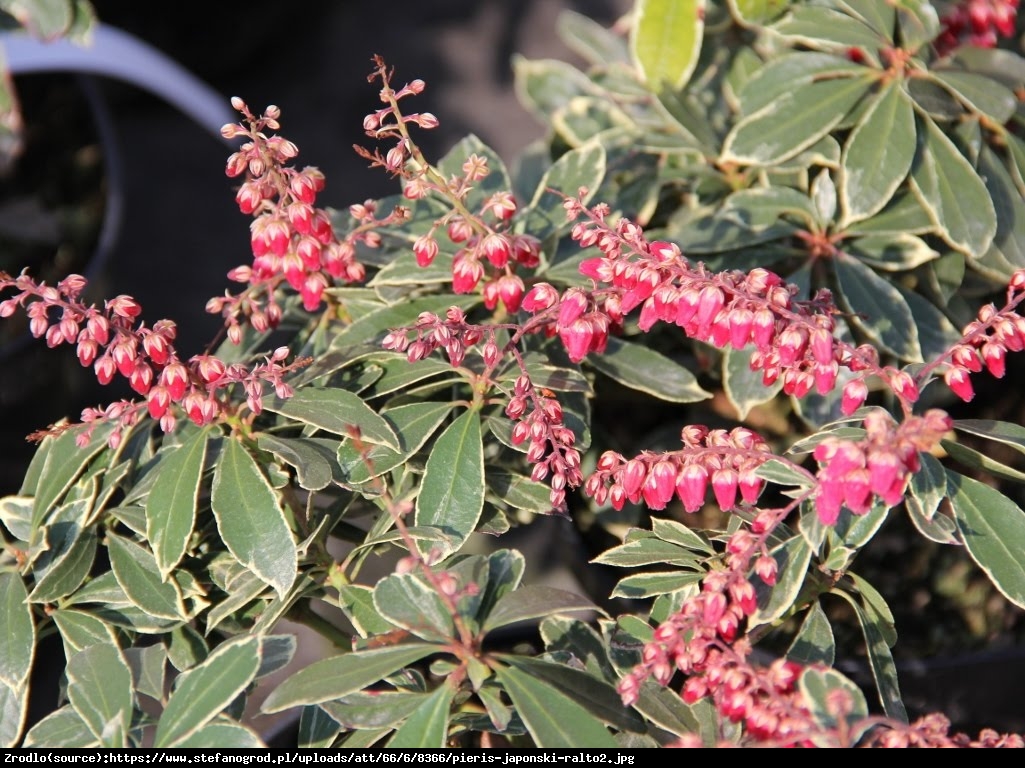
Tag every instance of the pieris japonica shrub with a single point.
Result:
(806, 211)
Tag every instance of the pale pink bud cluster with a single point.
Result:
(853, 473)
(113, 341)
(977, 22)
(292, 240)
(725, 461)
(453, 334)
(550, 443)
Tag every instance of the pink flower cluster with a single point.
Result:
(978, 23)
(113, 341)
(484, 248)
(793, 339)
(854, 473)
(726, 461)
(550, 443)
(987, 340)
(292, 240)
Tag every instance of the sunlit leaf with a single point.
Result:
(63, 462)
(952, 192)
(427, 726)
(993, 529)
(250, 519)
(792, 559)
(794, 121)
(413, 424)
(222, 735)
(64, 566)
(665, 39)
(825, 28)
(137, 573)
(757, 12)
(744, 386)
(100, 690)
(171, 504)
(981, 94)
(337, 411)
(311, 461)
(61, 728)
(580, 168)
(339, 676)
(877, 155)
(205, 690)
(408, 601)
(648, 551)
(816, 686)
(649, 584)
(452, 488)
(814, 642)
(641, 368)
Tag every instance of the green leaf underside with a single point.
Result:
(250, 519)
(452, 489)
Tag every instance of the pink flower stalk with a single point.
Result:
(853, 474)
(489, 251)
